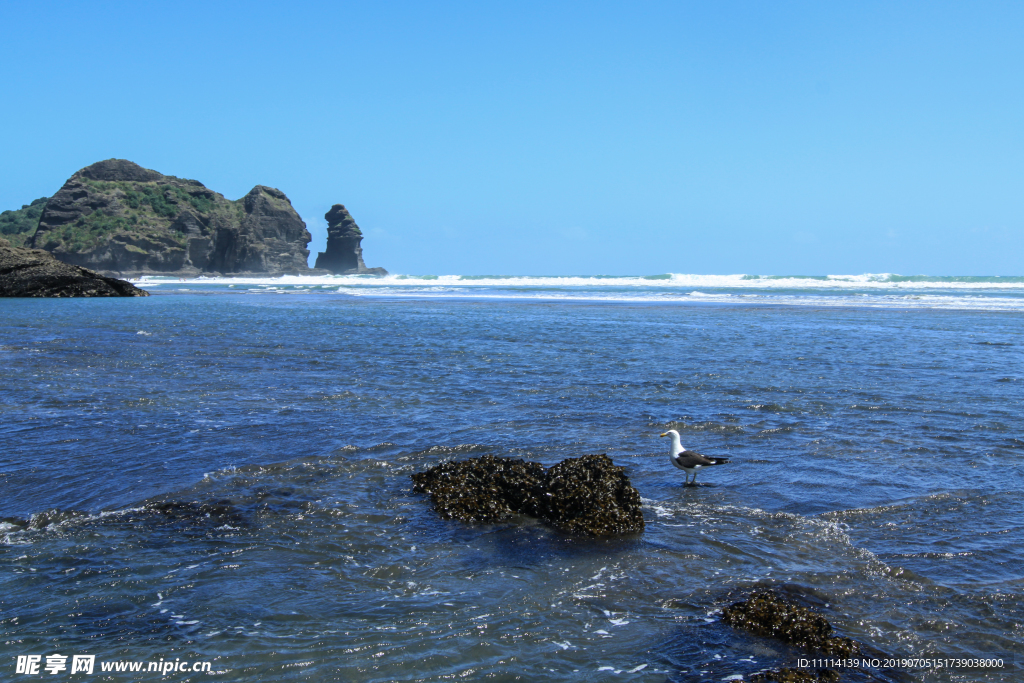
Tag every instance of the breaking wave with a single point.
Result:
(874, 290)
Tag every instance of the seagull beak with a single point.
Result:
(663, 434)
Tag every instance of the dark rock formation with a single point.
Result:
(787, 675)
(592, 495)
(586, 496)
(344, 255)
(118, 217)
(485, 489)
(42, 520)
(766, 614)
(120, 170)
(36, 273)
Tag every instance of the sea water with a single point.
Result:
(219, 474)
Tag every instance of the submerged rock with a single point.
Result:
(787, 675)
(586, 496)
(766, 614)
(344, 255)
(36, 273)
(39, 520)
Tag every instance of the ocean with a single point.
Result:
(219, 475)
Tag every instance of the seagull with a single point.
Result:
(689, 462)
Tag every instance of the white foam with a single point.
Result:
(881, 290)
(886, 281)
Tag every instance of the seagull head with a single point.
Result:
(676, 447)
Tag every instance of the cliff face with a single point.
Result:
(344, 254)
(118, 217)
(36, 273)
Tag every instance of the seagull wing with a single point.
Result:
(694, 459)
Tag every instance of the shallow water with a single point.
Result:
(231, 471)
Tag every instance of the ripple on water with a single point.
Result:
(303, 548)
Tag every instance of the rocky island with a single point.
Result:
(119, 218)
(123, 220)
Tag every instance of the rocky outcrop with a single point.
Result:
(583, 496)
(36, 273)
(766, 614)
(344, 255)
(593, 496)
(120, 218)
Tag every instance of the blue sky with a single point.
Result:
(555, 138)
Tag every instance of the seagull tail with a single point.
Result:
(718, 461)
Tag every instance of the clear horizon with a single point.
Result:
(574, 139)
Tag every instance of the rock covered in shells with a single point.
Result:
(592, 495)
(766, 614)
(485, 489)
(589, 495)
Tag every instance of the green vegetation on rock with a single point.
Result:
(19, 226)
(144, 208)
(163, 200)
(90, 230)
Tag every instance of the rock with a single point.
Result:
(44, 519)
(592, 495)
(344, 256)
(36, 273)
(584, 496)
(766, 614)
(120, 170)
(484, 489)
(218, 512)
(117, 217)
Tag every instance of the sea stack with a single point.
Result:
(344, 256)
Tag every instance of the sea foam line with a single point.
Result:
(867, 281)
